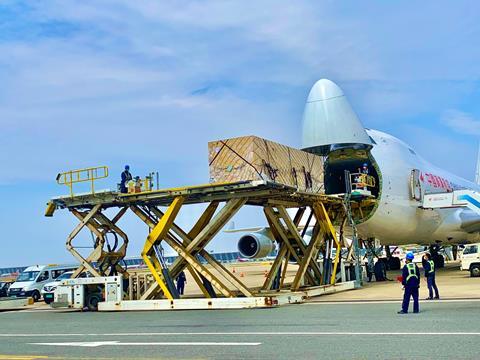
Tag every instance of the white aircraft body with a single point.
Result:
(398, 218)
(402, 179)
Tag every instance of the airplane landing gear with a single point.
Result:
(455, 252)
(393, 263)
(438, 259)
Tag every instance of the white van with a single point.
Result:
(49, 288)
(471, 259)
(31, 281)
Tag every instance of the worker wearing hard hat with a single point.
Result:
(365, 169)
(411, 283)
(126, 177)
(429, 267)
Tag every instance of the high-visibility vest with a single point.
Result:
(432, 266)
(411, 271)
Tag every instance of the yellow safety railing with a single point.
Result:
(360, 180)
(140, 185)
(82, 175)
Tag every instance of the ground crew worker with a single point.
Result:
(365, 172)
(429, 267)
(370, 262)
(411, 283)
(181, 281)
(126, 177)
(365, 169)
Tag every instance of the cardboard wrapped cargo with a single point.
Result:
(254, 158)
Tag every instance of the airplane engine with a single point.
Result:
(256, 245)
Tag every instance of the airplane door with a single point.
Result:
(416, 192)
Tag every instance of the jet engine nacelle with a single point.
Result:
(256, 244)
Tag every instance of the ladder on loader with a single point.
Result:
(165, 273)
(351, 221)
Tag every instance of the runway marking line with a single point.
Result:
(366, 302)
(22, 357)
(311, 333)
(118, 343)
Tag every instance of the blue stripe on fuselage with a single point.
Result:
(470, 199)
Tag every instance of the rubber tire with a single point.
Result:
(380, 270)
(92, 301)
(394, 263)
(36, 296)
(439, 261)
(475, 270)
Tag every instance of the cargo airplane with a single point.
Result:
(415, 201)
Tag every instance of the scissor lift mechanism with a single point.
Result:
(190, 244)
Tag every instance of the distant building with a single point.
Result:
(135, 262)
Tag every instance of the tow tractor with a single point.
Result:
(86, 293)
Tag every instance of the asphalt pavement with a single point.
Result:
(443, 330)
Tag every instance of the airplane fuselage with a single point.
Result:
(398, 218)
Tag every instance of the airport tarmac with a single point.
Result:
(443, 330)
(359, 324)
(452, 284)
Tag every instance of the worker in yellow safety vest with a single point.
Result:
(411, 284)
(429, 267)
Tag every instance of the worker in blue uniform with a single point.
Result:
(126, 177)
(429, 267)
(411, 283)
(181, 281)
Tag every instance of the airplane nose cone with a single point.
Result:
(324, 89)
(329, 120)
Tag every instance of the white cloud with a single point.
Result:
(461, 122)
(128, 72)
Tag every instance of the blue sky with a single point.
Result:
(149, 83)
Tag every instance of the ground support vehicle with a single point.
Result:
(471, 259)
(86, 293)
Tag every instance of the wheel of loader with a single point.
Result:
(92, 301)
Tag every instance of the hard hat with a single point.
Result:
(127, 167)
(365, 164)
(410, 256)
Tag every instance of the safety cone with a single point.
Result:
(234, 271)
(242, 274)
(265, 274)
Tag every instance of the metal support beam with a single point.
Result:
(311, 250)
(157, 234)
(207, 233)
(299, 240)
(324, 220)
(99, 225)
(188, 238)
(281, 232)
(267, 285)
(192, 261)
(84, 263)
